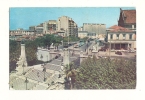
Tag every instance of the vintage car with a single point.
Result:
(76, 46)
(102, 49)
(118, 52)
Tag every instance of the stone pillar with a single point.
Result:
(128, 46)
(81, 56)
(94, 52)
(23, 55)
(65, 56)
(51, 55)
(48, 55)
(51, 51)
(22, 60)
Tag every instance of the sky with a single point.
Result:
(25, 17)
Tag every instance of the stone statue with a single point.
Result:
(51, 46)
(94, 48)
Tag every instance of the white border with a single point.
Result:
(136, 94)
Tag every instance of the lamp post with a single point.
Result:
(62, 43)
(23, 68)
(47, 58)
(87, 48)
(44, 70)
(109, 45)
(26, 81)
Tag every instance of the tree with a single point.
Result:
(71, 39)
(85, 39)
(31, 49)
(15, 49)
(70, 73)
(14, 54)
(105, 73)
(47, 40)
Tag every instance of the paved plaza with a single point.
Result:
(53, 76)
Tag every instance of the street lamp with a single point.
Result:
(47, 58)
(44, 70)
(62, 43)
(23, 68)
(26, 81)
(87, 47)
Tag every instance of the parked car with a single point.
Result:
(118, 52)
(76, 46)
(102, 49)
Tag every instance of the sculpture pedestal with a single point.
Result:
(65, 56)
(82, 56)
(94, 52)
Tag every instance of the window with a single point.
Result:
(117, 36)
(132, 26)
(111, 36)
(130, 36)
(123, 36)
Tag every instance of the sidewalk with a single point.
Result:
(124, 54)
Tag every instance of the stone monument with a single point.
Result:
(82, 56)
(51, 47)
(51, 52)
(22, 60)
(95, 50)
(65, 56)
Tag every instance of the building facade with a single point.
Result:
(19, 33)
(94, 28)
(50, 27)
(121, 38)
(39, 29)
(67, 25)
(82, 34)
(80, 28)
(127, 19)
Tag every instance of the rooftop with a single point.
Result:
(130, 16)
(117, 28)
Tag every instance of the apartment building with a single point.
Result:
(94, 28)
(67, 25)
(39, 29)
(82, 34)
(50, 27)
